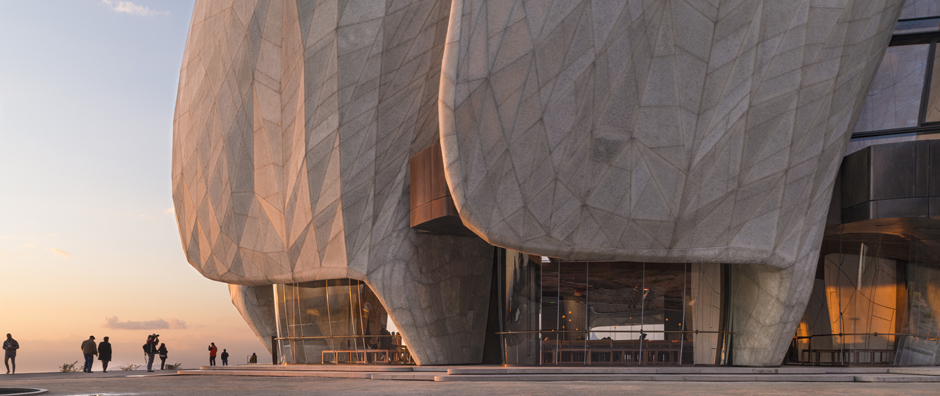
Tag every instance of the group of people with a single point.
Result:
(151, 350)
(213, 351)
(102, 350)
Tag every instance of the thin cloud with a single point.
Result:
(61, 252)
(159, 324)
(127, 7)
(170, 211)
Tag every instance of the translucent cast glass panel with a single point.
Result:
(893, 101)
(703, 307)
(920, 9)
(339, 320)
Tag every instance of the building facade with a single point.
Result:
(578, 182)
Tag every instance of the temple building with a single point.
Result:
(576, 182)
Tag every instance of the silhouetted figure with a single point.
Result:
(104, 354)
(212, 351)
(9, 353)
(253, 359)
(90, 349)
(162, 352)
(385, 342)
(150, 349)
(224, 358)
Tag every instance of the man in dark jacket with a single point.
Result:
(90, 349)
(9, 353)
(224, 357)
(104, 354)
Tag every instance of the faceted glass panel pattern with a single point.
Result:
(920, 9)
(893, 101)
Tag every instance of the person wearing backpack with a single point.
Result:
(162, 352)
(150, 348)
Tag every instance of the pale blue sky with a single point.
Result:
(87, 93)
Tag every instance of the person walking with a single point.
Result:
(104, 354)
(90, 350)
(224, 357)
(212, 351)
(162, 352)
(9, 353)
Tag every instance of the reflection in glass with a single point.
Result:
(894, 98)
(619, 313)
(875, 301)
(933, 98)
(339, 320)
(521, 307)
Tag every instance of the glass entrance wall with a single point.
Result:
(875, 302)
(616, 313)
(334, 321)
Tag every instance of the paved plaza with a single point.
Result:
(124, 384)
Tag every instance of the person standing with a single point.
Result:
(150, 348)
(162, 352)
(224, 357)
(90, 350)
(104, 354)
(212, 351)
(9, 353)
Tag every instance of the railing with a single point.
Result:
(556, 352)
(365, 350)
(841, 351)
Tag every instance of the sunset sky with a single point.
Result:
(88, 239)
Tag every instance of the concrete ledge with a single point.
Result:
(651, 377)
(915, 371)
(405, 376)
(318, 367)
(896, 378)
(665, 370)
(272, 373)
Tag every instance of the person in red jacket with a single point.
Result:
(212, 351)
